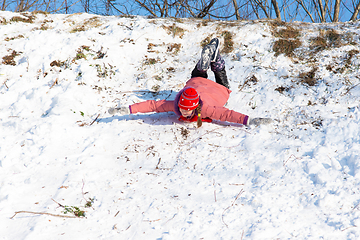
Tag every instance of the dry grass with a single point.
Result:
(13, 38)
(282, 89)
(250, 80)
(178, 20)
(204, 22)
(25, 18)
(9, 59)
(330, 39)
(174, 48)
(206, 41)
(57, 63)
(346, 63)
(170, 70)
(228, 46)
(174, 30)
(350, 55)
(80, 52)
(93, 22)
(309, 78)
(274, 24)
(286, 47)
(155, 88)
(150, 61)
(288, 38)
(39, 12)
(287, 32)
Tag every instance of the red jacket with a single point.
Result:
(213, 97)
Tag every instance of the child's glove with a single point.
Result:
(259, 121)
(120, 110)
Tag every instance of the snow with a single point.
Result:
(151, 176)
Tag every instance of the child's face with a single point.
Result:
(186, 113)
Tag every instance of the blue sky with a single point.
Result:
(97, 8)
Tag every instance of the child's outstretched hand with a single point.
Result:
(120, 110)
(259, 121)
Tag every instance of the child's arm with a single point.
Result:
(145, 107)
(224, 114)
(152, 106)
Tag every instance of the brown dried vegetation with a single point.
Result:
(9, 59)
(23, 18)
(174, 30)
(93, 22)
(330, 39)
(309, 78)
(288, 38)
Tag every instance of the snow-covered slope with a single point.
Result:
(149, 176)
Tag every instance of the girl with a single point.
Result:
(201, 99)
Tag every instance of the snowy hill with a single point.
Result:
(149, 176)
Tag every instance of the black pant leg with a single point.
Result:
(197, 73)
(221, 78)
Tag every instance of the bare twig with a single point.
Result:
(146, 7)
(348, 228)
(58, 203)
(349, 89)
(137, 91)
(5, 84)
(198, 138)
(160, 168)
(214, 190)
(82, 188)
(89, 201)
(223, 214)
(357, 205)
(157, 165)
(44, 213)
(55, 82)
(95, 119)
(170, 219)
(208, 132)
(152, 220)
(292, 155)
(117, 213)
(169, 94)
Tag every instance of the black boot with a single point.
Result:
(221, 78)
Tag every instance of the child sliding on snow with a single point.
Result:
(201, 99)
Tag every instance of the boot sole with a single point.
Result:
(207, 56)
